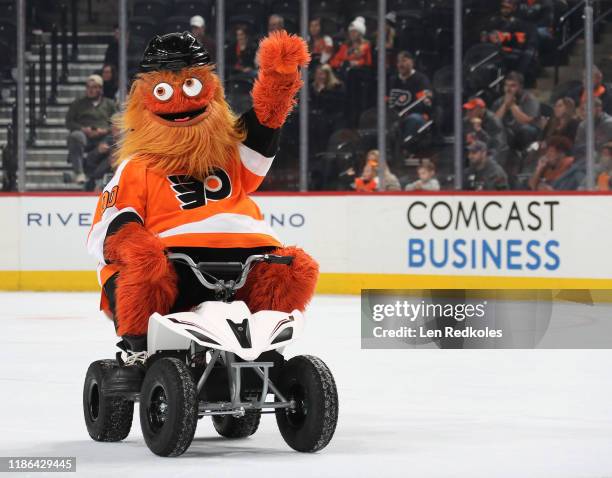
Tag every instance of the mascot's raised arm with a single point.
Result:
(186, 167)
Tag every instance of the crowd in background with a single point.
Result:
(512, 140)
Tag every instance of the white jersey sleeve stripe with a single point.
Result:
(255, 162)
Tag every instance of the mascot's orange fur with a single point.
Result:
(197, 145)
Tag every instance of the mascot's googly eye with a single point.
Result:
(192, 86)
(163, 91)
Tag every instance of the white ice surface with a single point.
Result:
(408, 413)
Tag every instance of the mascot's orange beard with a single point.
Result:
(194, 147)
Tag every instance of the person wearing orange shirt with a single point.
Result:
(357, 51)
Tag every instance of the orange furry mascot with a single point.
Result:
(186, 167)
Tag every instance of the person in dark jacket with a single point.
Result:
(483, 173)
(88, 120)
(517, 39)
(410, 95)
(241, 54)
(600, 91)
(99, 161)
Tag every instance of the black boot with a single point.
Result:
(128, 377)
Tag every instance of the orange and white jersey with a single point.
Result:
(185, 212)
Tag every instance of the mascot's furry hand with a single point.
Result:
(141, 258)
(280, 58)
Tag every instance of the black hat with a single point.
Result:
(173, 51)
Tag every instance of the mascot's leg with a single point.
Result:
(146, 283)
(280, 287)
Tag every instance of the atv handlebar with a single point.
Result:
(243, 269)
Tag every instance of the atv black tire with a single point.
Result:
(108, 418)
(310, 426)
(237, 427)
(168, 407)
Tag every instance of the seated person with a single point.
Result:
(427, 178)
(540, 13)
(326, 100)
(356, 51)
(241, 54)
(483, 173)
(600, 90)
(369, 180)
(603, 170)
(603, 129)
(553, 165)
(88, 120)
(99, 161)
(564, 121)
(517, 38)
(321, 46)
(519, 111)
(407, 87)
(481, 124)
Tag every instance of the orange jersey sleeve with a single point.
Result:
(123, 200)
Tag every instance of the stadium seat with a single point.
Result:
(411, 33)
(406, 6)
(189, 8)
(330, 25)
(176, 24)
(443, 85)
(285, 7)
(363, 8)
(482, 66)
(150, 8)
(7, 10)
(325, 7)
(145, 27)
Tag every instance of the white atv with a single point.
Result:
(219, 360)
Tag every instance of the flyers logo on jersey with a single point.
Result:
(192, 193)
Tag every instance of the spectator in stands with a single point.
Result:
(99, 161)
(564, 121)
(540, 13)
(321, 46)
(369, 179)
(111, 56)
(603, 170)
(353, 63)
(275, 23)
(109, 76)
(483, 173)
(427, 178)
(516, 38)
(198, 28)
(600, 90)
(519, 112)
(603, 129)
(390, 38)
(357, 51)
(326, 102)
(88, 120)
(553, 166)
(241, 55)
(410, 88)
(480, 124)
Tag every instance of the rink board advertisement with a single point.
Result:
(360, 241)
